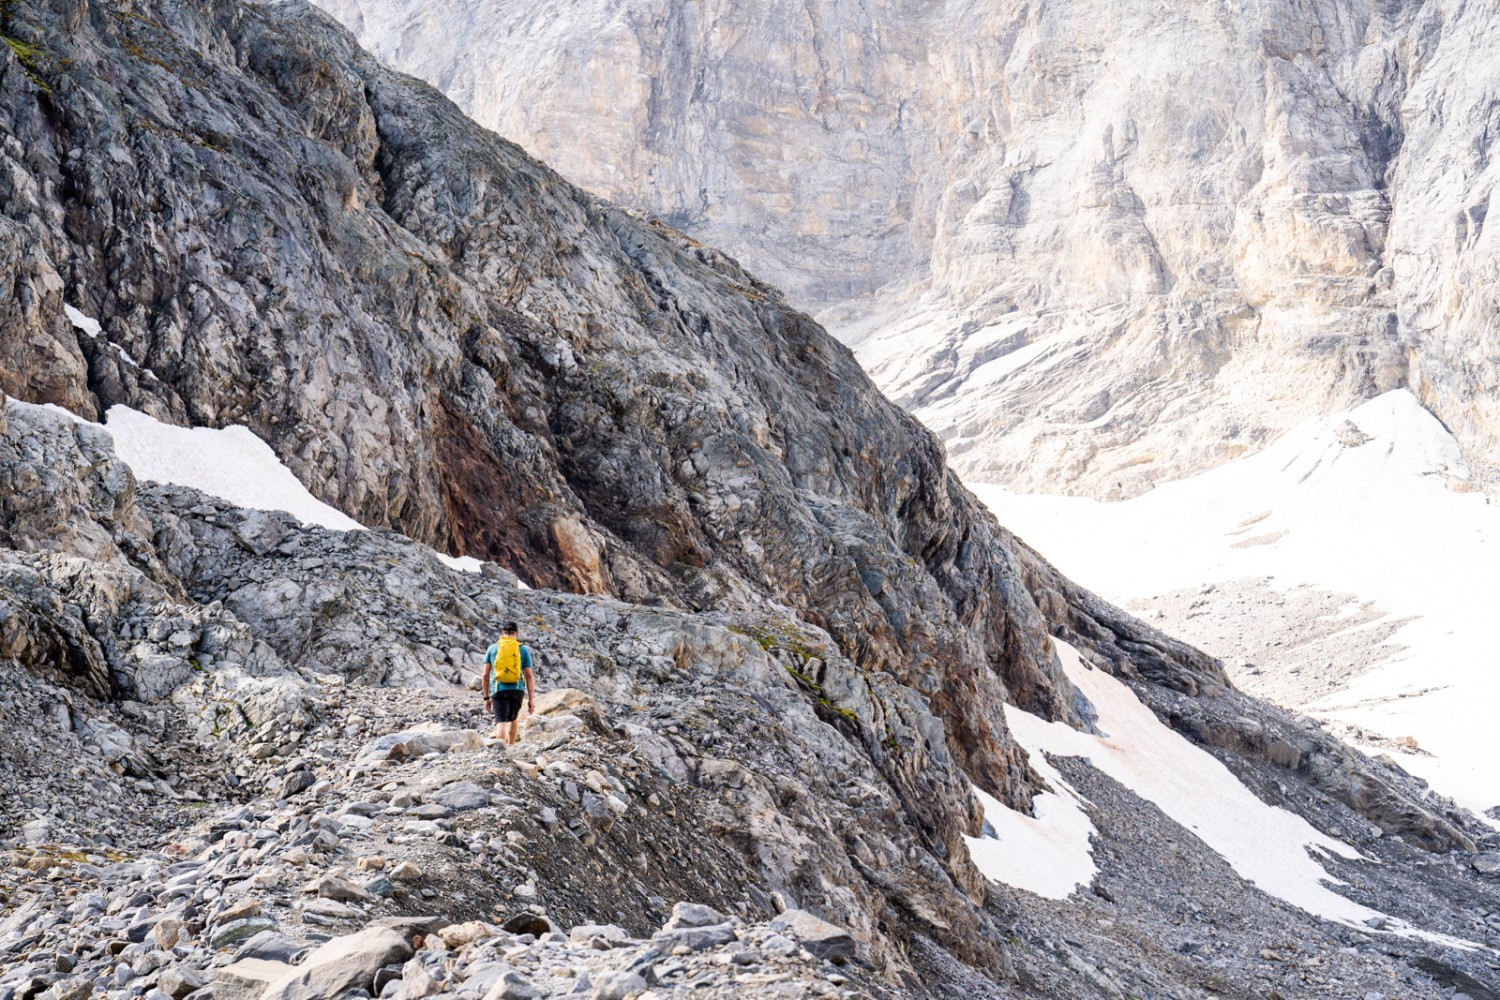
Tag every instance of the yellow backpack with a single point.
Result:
(507, 669)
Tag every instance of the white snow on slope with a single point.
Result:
(232, 463)
(87, 324)
(1264, 844)
(1047, 854)
(1371, 503)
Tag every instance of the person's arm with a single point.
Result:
(530, 679)
(485, 683)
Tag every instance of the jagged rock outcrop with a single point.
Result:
(1114, 242)
(441, 336)
(230, 620)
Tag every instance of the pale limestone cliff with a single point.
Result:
(1091, 245)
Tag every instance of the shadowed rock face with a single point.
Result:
(439, 335)
(1115, 240)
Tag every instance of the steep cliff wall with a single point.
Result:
(1114, 240)
(439, 335)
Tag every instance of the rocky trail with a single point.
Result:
(341, 837)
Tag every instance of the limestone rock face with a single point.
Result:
(1090, 245)
(441, 336)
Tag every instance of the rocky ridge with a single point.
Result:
(1091, 246)
(315, 786)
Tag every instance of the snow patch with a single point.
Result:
(1047, 854)
(231, 463)
(1265, 845)
(81, 322)
(1372, 502)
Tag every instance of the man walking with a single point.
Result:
(507, 677)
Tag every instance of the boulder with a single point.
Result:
(456, 936)
(512, 986)
(271, 947)
(461, 796)
(234, 932)
(248, 978)
(345, 963)
(416, 742)
(611, 934)
(341, 889)
(619, 984)
(527, 922)
(695, 938)
(821, 938)
(693, 915)
(416, 982)
(178, 981)
(1487, 864)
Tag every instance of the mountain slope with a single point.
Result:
(440, 336)
(1114, 241)
(444, 338)
(238, 736)
(768, 560)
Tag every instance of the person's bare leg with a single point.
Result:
(513, 730)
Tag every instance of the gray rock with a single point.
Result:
(825, 940)
(693, 915)
(337, 888)
(248, 978)
(178, 981)
(695, 938)
(461, 796)
(270, 946)
(379, 886)
(618, 985)
(344, 963)
(416, 743)
(295, 783)
(416, 982)
(611, 934)
(236, 932)
(512, 986)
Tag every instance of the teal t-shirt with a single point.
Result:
(489, 659)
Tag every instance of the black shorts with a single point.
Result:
(506, 704)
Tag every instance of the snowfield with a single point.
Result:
(231, 463)
(1373, 503)
(1050, 855)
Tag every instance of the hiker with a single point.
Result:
(507, 677)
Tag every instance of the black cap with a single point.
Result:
(510, 627)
